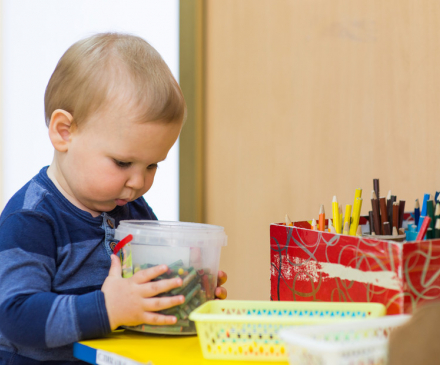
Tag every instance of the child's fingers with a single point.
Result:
(221, 278)
(115, 266)
(158, 319)
(221, 293)
(158, 304)
(153, 288)
(146, 275)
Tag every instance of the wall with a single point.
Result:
(35, 34)
(310, 99)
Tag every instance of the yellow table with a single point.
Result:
(129, 348)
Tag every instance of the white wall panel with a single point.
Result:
(35, 35)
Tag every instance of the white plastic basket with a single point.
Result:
(344, 343)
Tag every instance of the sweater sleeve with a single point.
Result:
(31, 314)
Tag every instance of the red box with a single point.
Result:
(308, 265)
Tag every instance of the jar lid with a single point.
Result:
(171, 233)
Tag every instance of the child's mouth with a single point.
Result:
(121, 202)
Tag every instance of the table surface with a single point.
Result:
(144, 348)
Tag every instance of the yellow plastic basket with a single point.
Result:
(248, 330)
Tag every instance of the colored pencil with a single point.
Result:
(330, 225)
(288, 221)
(396, 215)
(386, 228)
(346, 229)
(430, 212)
(401, 212)
(371, 219)
(314, 225)
(416, 212)
(437, 229)
(347, 218)
(437, 193)
(389, 208)
(335, 211)
(356, 215)
(429, 233)
(376, 214)
(321, 218)
(383, 212)
(340, 217)
(376, 187)
(426, 197)
(395, 233)
(359, 231)
(424, 227)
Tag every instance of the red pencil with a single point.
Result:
(424, 228)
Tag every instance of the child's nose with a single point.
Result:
(136, 181)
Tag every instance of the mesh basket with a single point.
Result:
(350, 343)
(248, 330)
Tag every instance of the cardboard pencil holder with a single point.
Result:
(309, 265)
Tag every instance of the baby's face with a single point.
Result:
(112, 158)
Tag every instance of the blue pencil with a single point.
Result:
(417, 213)
(437, 193)
(424, 206)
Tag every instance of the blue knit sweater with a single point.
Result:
(54, 258)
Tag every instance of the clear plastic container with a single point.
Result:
(350, 343)
(191, 251)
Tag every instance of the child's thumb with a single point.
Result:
(115, 268)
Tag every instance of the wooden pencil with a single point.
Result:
(386, 228)
(314, 225)
(401, 212)
(395, 233)
(376, 214)
(288, 221)
(376, 187)
(347, 218)
(330, 225)
(356, 215)
(346, 229)
(335, 211)
(396, 215)
(423, 229)
(383, 212)
(321, 218)
(359, 231)
(371, 220)
(430, 212)
(437, 229)
(416, 212)
(340, 218)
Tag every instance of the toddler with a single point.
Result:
(113, 110)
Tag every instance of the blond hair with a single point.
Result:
(96, 69)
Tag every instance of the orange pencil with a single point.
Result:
(321, 225)
(288, 221)
(313, 225)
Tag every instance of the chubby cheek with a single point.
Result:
(102, 182)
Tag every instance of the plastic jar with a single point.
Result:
(191, 251)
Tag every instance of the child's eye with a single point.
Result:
(122, 164)
(153, 166)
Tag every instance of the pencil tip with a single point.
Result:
(437, 224)
(373, 195)
(389, 195)
(288, 221)
(321, 209)
(334, 199)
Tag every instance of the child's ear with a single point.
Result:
(60, 129)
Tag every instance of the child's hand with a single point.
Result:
(129, 301)
(220, 292)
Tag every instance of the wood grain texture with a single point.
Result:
(310, 99)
